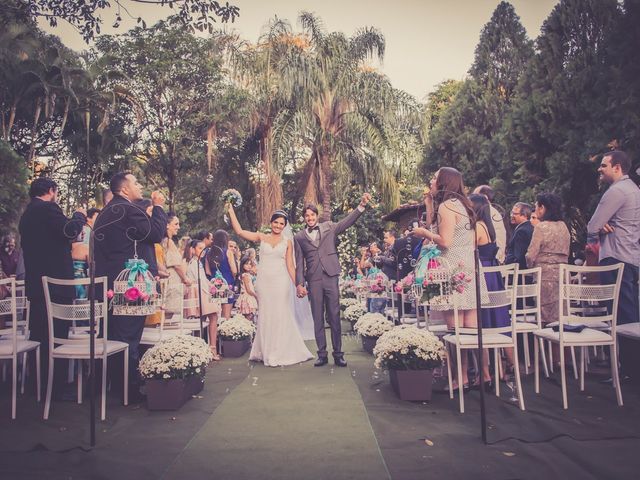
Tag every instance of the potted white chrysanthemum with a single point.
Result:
(409, 354)
(370, 326)
(353, 313)
(235, 336)
(174, 370)
(346, 302)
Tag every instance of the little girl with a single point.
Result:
(247, 303)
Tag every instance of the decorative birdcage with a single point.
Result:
(134, 290)
(434, 287)
(220, 289)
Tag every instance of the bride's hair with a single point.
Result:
(280, 214)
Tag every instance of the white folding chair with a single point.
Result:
(166, 328)
(14, 343)
(438, 328)
(78, 348)
(528, 313)
(572, 294)
(492, 338)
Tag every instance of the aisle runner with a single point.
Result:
(286, 423)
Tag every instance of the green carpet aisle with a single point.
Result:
(286, 423)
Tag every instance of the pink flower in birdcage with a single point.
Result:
(433, 264)
(132, 294)
(218, 282)
(460, 289)
(213, 290)
(110, 294)
(144, 297)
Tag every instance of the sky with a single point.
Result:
(427, 41)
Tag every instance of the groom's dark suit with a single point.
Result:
(317, 263)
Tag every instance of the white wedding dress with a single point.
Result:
(278, 340)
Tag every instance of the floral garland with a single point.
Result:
(406, 347)
(180, 356)
(372, 325)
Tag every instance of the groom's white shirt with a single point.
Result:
(313, 234)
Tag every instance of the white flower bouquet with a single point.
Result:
(346, 302)
(353, 312)
(236, 328)
(406, 347)
(372, 325)
(180, 356)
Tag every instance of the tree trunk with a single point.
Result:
(268, 187)
(326, 181)
(36, 118)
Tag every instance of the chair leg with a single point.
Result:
(38, 387)
(449, 373)
(527, 355)
(536, 364)
(550, 357)
(460, 382)
(615, 373)
(47, 402)
(543, 357)
(79, 377)
(103, 400)
(496, 368)
(563, 375)
(583, 351)
(516, 368)
(14, 385)
(126, 376)
(573, 361)
(24, 372)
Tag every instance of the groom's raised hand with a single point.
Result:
(366, 198)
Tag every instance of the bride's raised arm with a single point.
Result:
(289, 259)
(235, 224)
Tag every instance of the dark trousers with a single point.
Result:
(324, 296)
(129, 330)
(39, 327)
(628, 309)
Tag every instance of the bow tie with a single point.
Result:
(311, 229)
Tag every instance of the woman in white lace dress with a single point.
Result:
(278, 340)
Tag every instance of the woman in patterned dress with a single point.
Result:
(450, 215)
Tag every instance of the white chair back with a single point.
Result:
(76, 312)
(528, 296)
(9, 310)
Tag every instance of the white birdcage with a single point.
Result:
(220, 290)
(134, 290)
(434, 288)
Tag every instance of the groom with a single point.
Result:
(317, 263)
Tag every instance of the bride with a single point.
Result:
(278, 341)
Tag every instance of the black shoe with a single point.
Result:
(340, 362)
(321, 361)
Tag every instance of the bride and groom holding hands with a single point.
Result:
(314, 272)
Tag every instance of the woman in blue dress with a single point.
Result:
(487, 249)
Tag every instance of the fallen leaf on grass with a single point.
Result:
(173, 418)
(509, 454)
(428, 442)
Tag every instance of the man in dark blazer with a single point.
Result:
(317, 262)
(521, 237)
(46, 235)
(120, 227)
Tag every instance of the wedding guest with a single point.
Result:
(221, 259)
(450, 214)
(92, 214)
(549, 248)
(210, 307)
(388, 258)
(123, 225)
(497, 218)
(247, 303)
(175, 267)
(9, 255)
(521, 238)
(534, 219)
(46, 235)
(487, 250)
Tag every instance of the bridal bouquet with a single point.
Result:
(232, 196)
(406, 347)
(236, 328)
(353, 312)
(372, 325)
(180, 356)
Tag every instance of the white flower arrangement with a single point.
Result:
(180, 356)
(353, 312)
(406, 347)
(372, 325)
(236, 328)
(346, 302)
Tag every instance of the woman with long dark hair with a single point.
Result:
(451, 228)
(220, 258)
(176, 268)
